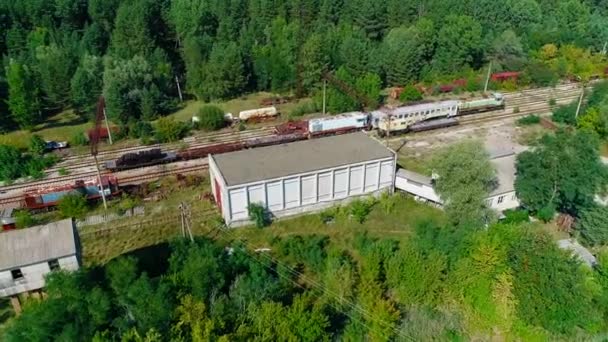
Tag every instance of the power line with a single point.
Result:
(318, 285)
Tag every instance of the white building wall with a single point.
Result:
(424, 191)
(33, 276)
(311, 191)
(217, 179)
(503, 202)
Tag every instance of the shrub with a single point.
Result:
(304, 107)
(242, 126)
(73, 205)
(141, 130)
(359, 209)
(258, 214)
(552, 102)
(516, 110)
(37, 145)
(11, 165)
(546, 213)
(169, 130)
(529, 120)
(23, 219)
(409, 94)
(211, 118)
(78, 139)
(514, 216)
(63, 171)
(593, 225)
(388, 202)
(565, 114)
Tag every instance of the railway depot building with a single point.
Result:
(28, 255)
(501, 198)
(300, 177)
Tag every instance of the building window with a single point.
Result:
(501, 199)
(54, 265)
(17, 275)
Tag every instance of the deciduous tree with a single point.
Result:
(465, 177)
(563, 171)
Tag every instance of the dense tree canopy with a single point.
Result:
(564, 172)
(134, 50)
(445, 283)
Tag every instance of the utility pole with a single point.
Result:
(103, 191)
(580, 101)
(324, 94)
(179, 89)
(94, 145)
(186, 218)
(107, 126)
(485, 89)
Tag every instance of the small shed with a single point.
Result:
(302, 176)
(27, 255)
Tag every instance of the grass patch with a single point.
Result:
(162, 217)
(416, 163)
(528, 135)
(6, 312)
(234, 106)
(63, 126)
(529, 120)
(60, 127)
(399, 224)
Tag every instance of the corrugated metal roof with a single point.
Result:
(37, 244)
(277, 161)
(414, 176)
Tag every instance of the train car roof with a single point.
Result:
(300, 157)
(34, 245)
(421, 107)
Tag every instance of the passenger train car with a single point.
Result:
(400, 119)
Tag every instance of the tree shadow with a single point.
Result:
(58, 120)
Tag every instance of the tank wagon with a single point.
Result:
(140, 159)
(260, 114)
(49, 197)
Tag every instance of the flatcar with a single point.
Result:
(140, 159)
(49, 197)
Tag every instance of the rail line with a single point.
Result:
(136, 179)
(522, 98)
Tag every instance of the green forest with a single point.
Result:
(444, 283)
(63, 54)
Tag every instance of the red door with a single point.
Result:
(218, 194)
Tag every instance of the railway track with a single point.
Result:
(131, 180)
(532, 101)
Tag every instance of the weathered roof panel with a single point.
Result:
(283, 160)
(28, 246)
